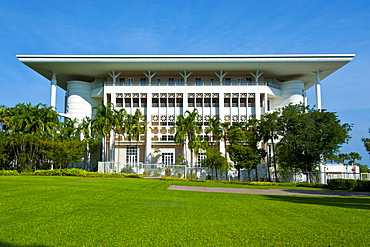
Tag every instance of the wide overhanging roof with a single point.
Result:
(89, 67)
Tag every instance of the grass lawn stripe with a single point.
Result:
(74, 211)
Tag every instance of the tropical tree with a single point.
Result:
(243, 148)
(214, 131)
(215, 160)
(135, 126)
(103, 125)
(268, 128)
(308, 136)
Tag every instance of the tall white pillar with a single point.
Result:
(53, 90)
(318, 89)
(258, 104)
(148, 140)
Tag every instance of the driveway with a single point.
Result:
(286, 192)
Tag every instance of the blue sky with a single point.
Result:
(192, 27)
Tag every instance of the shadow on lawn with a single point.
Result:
(10, 244)
(344, 202)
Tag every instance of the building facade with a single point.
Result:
(233, 88)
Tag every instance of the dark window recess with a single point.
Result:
(155, 102)
(171, 102)
(235, 102)
(215, 102)
(243, 102)
(207, 102)
(135, 102)
(226, 102)
(128, 102)
(191, 102)
(199, 102)
(143, 102)
(119, 102)
(109, 98)
(179, 103)
(164, 102)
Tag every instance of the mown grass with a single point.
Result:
(79, 211)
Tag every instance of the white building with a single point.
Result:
(234, 88)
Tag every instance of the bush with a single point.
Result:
(167, 172)
(147, 173)
(156, 174)
(349, 184)
(127, 169)
(179, 174)
(8, 173)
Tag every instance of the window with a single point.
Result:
(135, 102)
(226, 102)
(179, 82)
(109, 99)
(163, 102)
(127, 102)
(200, 159)
(121, 81)
(142, 81)
(167, 159)
(155, 102)
(211, 81)
(199, 102)
(207, 102)
(171, 81)
(198, 81)
(243, 102)
(240, 81)
(179, 102)
(190, 102)
(235, 102)
(131, 155)
(268, 105)
(143, 102)
(215, 102)
(130, 81)
(171, 102)
(119, 102)
(227, 81)
(167, 138)
(158, 81)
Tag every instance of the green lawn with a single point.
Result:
(79, 211)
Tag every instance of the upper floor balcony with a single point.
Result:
(190, 83)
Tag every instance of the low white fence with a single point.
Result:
(161, 170)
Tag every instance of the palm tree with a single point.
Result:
(188, 129)
(215, 130)
(103, 125)
(135, 126)
(269, 130)
(120, 126)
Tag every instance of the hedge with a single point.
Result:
(349, 184)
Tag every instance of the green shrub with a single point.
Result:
(127, 169)
(311, 185)
(363, 185)
(8, 173)
(179, 174)
(156, 174)
(147, 173)
(167, 172)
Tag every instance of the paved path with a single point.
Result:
(289, 192)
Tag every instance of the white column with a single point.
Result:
(258, 105)
(114, 76)
(185, 76)
(53, 90)
(220, 76)
(318, 89)
(149, 75)
(148, 142)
